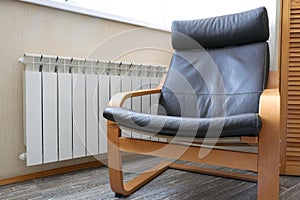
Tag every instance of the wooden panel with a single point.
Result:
(293, 170)
(295, 3)
(290, 86)
(293, 139)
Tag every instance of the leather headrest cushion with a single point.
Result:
(236, 29)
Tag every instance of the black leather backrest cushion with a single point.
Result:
(216, 82)
(235, 29)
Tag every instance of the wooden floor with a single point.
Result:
(172, 184)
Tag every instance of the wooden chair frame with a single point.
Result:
(265, 162)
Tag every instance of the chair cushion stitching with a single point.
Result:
(212, 94)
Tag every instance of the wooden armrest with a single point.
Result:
(269, 112)
(269, 103)
(118, 99)
(269, 107)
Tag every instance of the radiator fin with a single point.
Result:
(64, 99)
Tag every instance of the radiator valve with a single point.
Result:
(22, 156)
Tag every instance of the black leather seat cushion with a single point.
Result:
(238, 125)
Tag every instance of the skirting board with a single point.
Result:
(57, 171)
(51, 172)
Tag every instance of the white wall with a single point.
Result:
(27, 28)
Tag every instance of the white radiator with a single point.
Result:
(64, 99)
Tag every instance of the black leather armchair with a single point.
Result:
(215, 90)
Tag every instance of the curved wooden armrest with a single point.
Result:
(269, 104)
(269, 112)
(118, 99)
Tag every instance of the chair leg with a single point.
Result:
(269, 146)
(115, 166)
(268, 167)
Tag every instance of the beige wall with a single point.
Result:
(27, 28)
